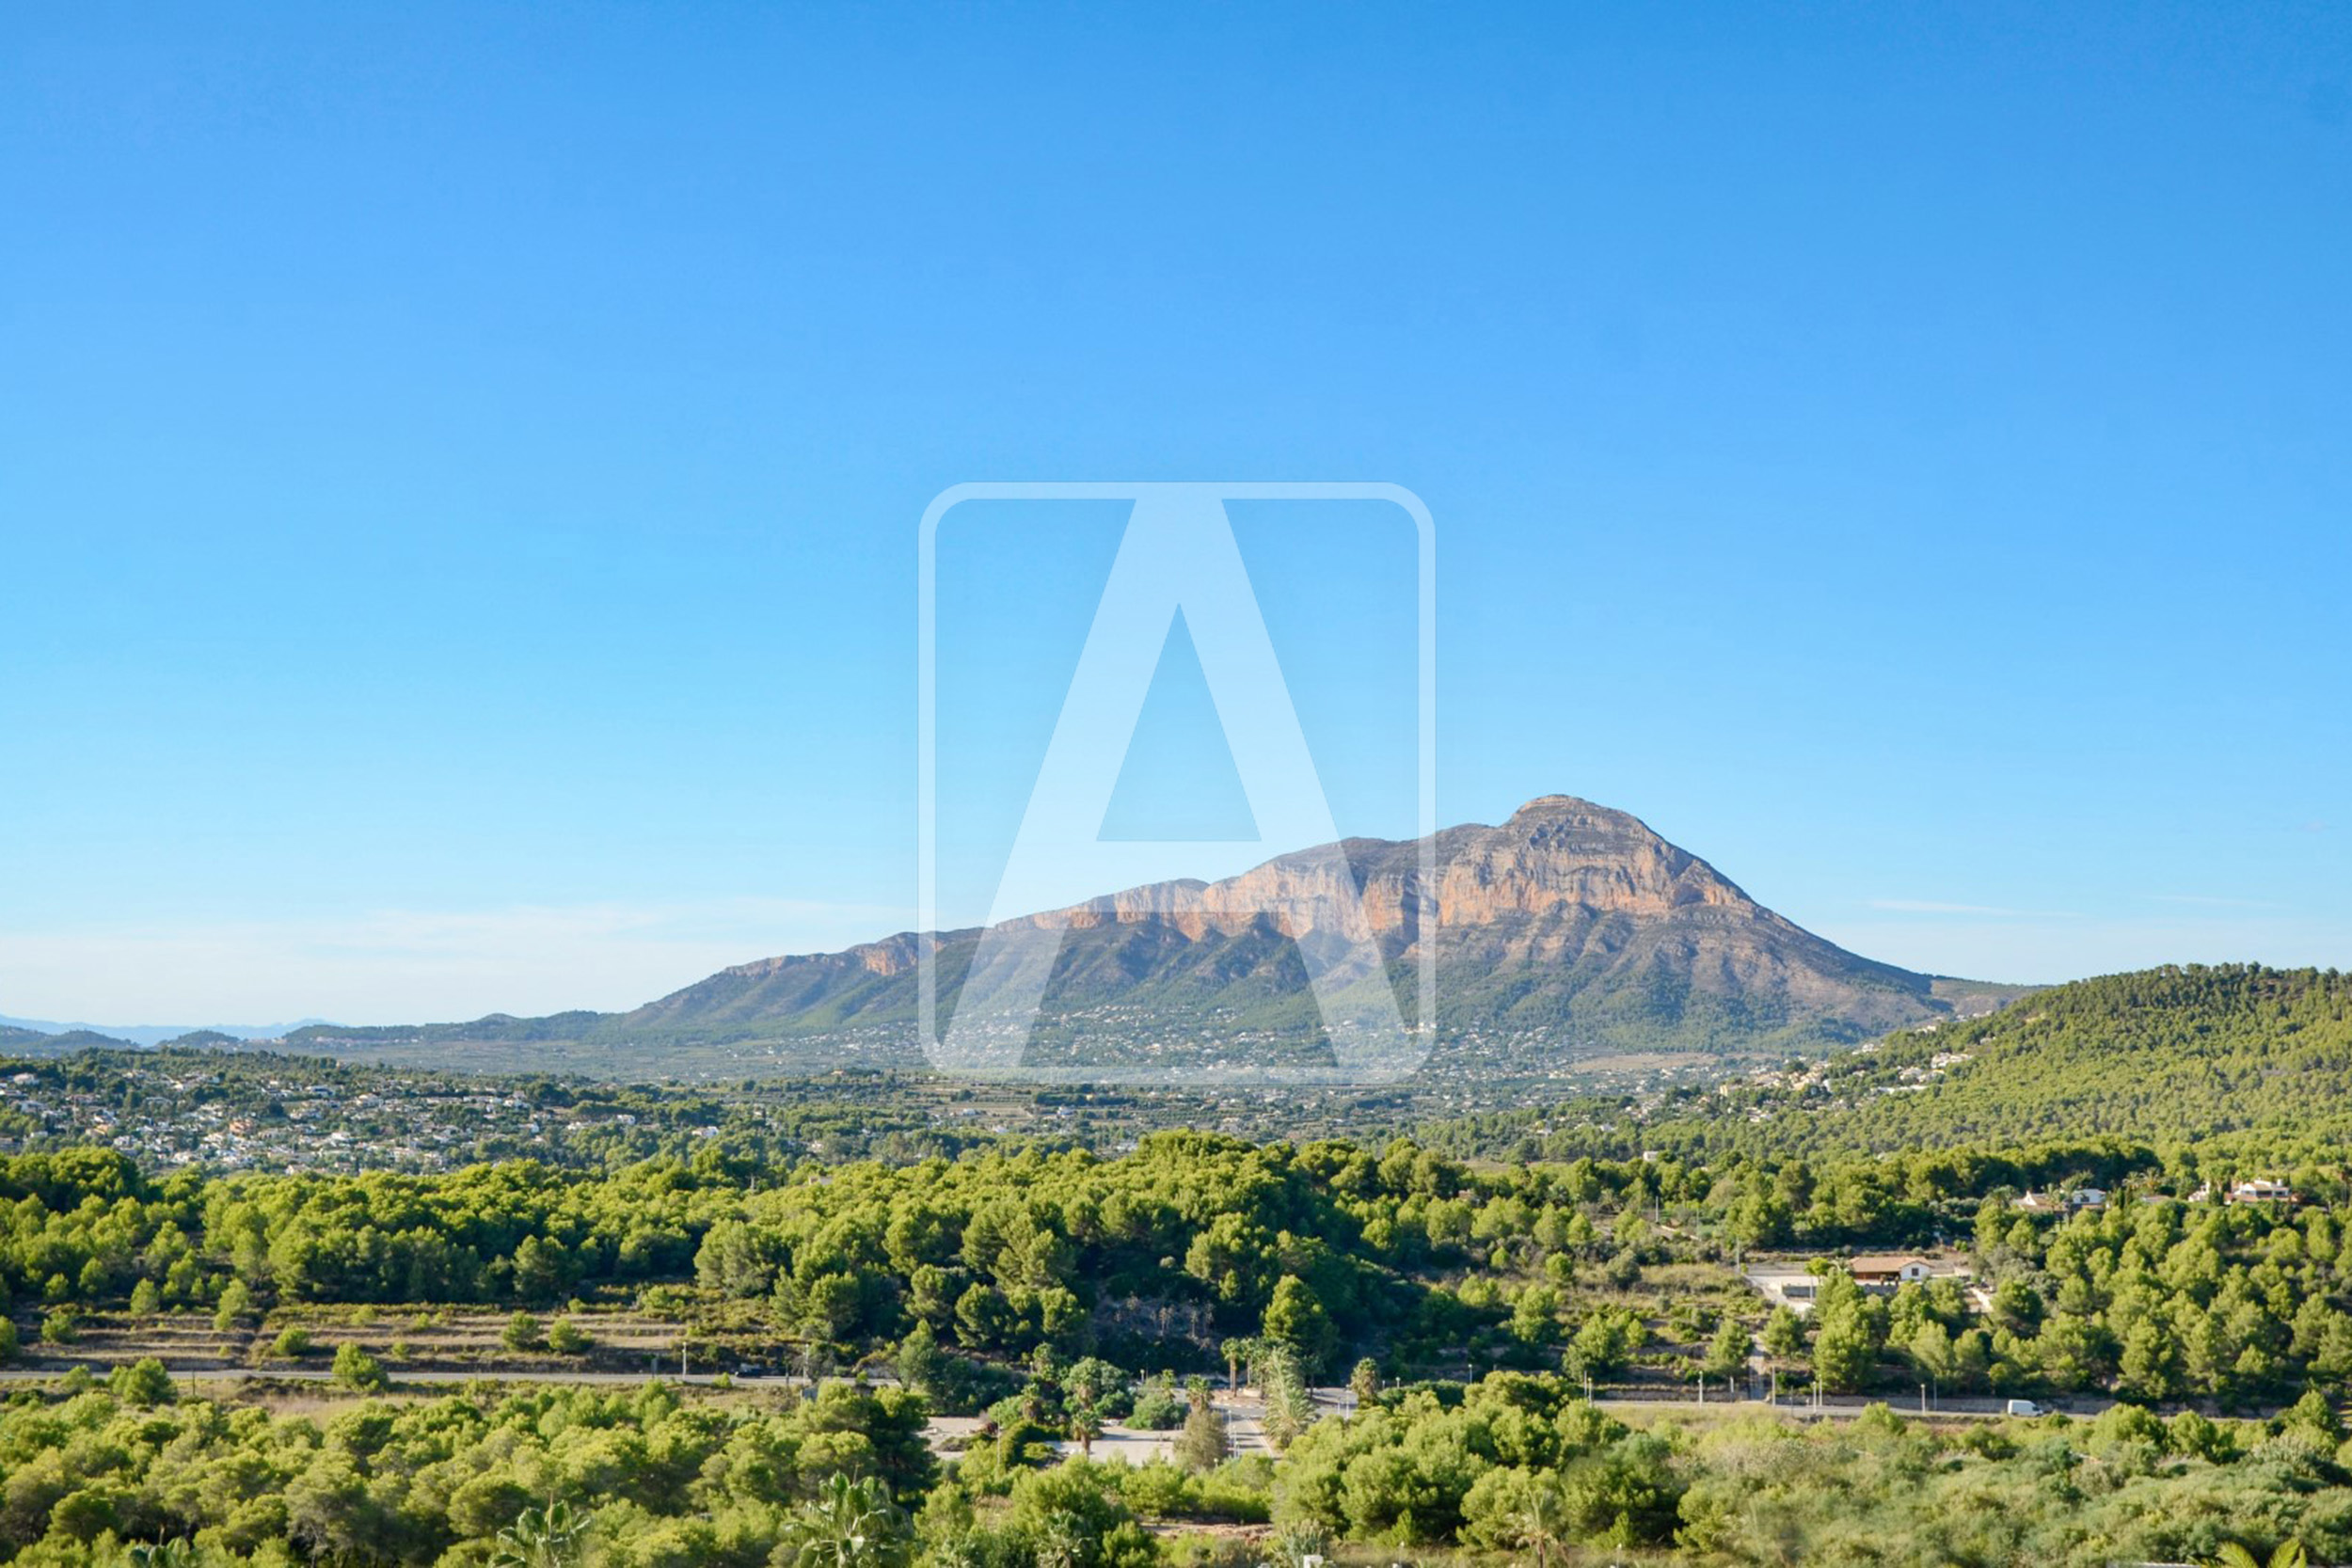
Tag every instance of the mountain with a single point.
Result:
(1570, 934)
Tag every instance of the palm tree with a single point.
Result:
(175, 1553)
(1287, 1408)
(1300, 1546)
(1062, 1543)
(1085, 1425)
(2287, 1554)
(541, 1538)
(849, 1523)
(1541, 1521)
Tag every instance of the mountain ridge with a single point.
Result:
(1572, 927)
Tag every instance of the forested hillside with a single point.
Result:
(2233, 1059)
(2165, 1053)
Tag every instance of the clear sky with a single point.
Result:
(459, 465)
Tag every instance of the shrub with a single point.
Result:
(1158, 1406)
(236, 1300)
(1204, 1444)
(522, 1332)
(355, 1368)
(142, 1383)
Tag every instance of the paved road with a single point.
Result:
(1242, 1410)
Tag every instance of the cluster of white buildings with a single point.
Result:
(2070, 1201)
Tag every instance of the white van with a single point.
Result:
(2024, 1407)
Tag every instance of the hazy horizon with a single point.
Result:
(471, 945)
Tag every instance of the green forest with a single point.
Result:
(1494, 1340)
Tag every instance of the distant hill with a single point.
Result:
(34, 1042)
(204, 1039)
(1569, 934)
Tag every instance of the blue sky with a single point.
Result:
(459, 465)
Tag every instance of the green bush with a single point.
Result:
(236, 1302)
(144, 1382)
(355, 1368)
(1159, 1406)
(566, 1337)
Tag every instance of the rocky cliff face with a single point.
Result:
(1571, 928)
(1560, 853)
(1556, 853)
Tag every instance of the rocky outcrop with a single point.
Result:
(890, 956)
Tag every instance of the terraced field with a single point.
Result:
(453, 1339)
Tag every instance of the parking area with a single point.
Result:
(1787, 1285)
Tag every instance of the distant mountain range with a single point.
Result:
(1570, 935)
(150, 1033)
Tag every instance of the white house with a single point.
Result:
(1888, 1268)
(2071, 1201)
(2261, 1189)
